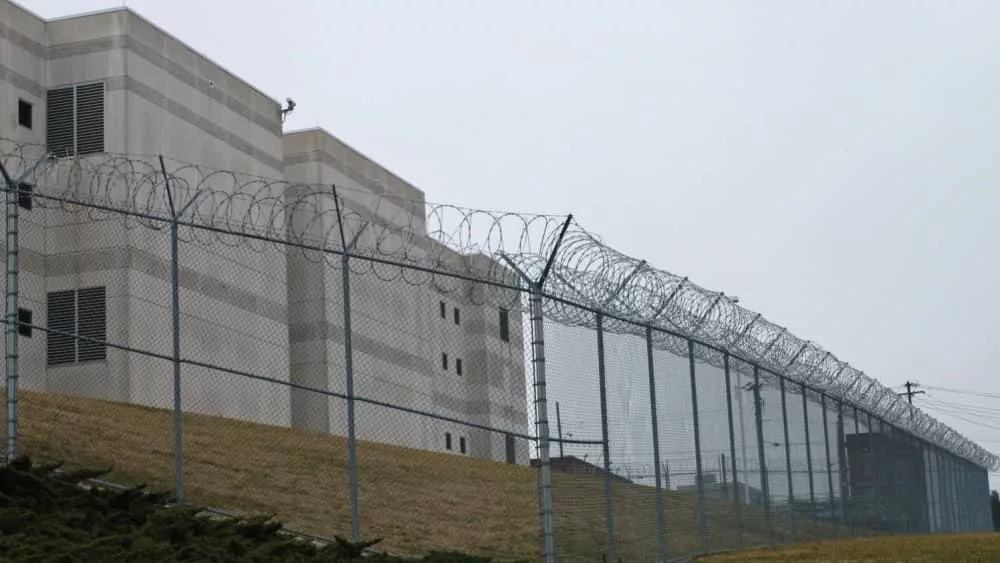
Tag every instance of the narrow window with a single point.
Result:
(457, 316)
(447, 441)
(444, 310)
(458, 366)
(444, 361)
(504, 325)
(24, 322)
(24, 195)
(24, 113)
(461, 445)
(509, 443)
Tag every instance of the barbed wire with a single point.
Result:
(446, 247)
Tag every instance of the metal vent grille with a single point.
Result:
(90, 118)
(74, 119)
(92, 322)
(60, 126)
(62, 321)
(75, 313)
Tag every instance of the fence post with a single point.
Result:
(11, 304)
(894, 478)
(950, 488)
(929, 485)
(874, 499)
(957, 488)
(537, 321)
(944, 498)
(921, 524)
(175, 316)
(959, 512)
(967, 479)
(956, 491)
(987, 514)
(175, 306)
(970, 518)
(984, 478)
(963, 495)
(699, 481)
(609, 516)
(855, 511)
(812, 486)
(758, 408)
(845, 484)
(788, 462)
(737, 495)
(352, 440)
(944, 506)
(542, 425)
(829, 464)
(883, 488)
(10, 313)
(970, 479)
(661, 523)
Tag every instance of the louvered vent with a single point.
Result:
(90, 118)
(60, 117)
(62, 323)
(78, 324)
(74, 119)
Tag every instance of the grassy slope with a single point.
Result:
(943, 548)
(416, 500)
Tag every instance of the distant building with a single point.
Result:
(887, 483)
(577, 466)
(725, 490)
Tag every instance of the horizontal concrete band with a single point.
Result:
(131, 258)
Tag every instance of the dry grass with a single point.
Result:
(416, 500)
(952, 548)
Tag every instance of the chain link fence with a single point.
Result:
(366, 367)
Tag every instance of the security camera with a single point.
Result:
(289, 106)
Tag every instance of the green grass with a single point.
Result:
(418, 501)
(950, 548)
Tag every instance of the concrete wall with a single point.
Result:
(262, 310)
(23, 76)
(161, 98)
(399, 336)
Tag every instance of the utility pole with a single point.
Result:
(910, 386)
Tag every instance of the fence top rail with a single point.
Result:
(447, 246)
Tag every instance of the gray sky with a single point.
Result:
(831, 163)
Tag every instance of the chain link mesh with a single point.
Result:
(362, 365)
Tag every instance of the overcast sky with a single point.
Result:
(834, 164)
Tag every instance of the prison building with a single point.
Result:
(113, 82)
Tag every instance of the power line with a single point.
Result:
(963, 392)
(963, 409)
(959, 414)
